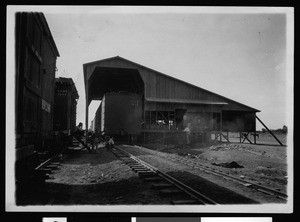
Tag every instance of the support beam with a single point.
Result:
(86, 114)
(226, 137)
(240, 137)
(246, 138)
(86, 122)
(269, 130)
(243, 136)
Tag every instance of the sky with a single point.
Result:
(243, 54)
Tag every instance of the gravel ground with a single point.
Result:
(99, 179)
(265, 165)
(102, 179)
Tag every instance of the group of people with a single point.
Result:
(95, 138)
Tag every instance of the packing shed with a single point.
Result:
(168, 104)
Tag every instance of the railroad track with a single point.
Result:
(167, 185)
(210, 170)
(44, 169)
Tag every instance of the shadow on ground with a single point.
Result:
(130, 191)
(84, 157)
(219, 194)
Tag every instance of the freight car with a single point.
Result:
(120, 115)
(36, 55)
(65, 98)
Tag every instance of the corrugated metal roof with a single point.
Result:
(204, 102)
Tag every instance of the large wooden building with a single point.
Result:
(169, 104)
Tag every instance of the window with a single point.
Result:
(160, 120)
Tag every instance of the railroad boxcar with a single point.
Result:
(119, 114)
(36, 55)
(65, 98)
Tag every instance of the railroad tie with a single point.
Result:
(154, 179)
(44, 170)
(128, 161)
(134, 165)
(159, 186)
(56, 163)
(140, 170)
(51, 166)
(170, 192)
(247, 184)
(121, 156)
(146, 174)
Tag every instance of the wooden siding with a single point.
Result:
(151, 106)
(159, 85)
(235, 121)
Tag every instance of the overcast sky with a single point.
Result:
(238, 53)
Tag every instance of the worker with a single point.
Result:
(110, 143)
(187, 130)
(79, 131)
(95, 140)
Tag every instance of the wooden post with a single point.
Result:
(86, 116)
(240, 137)
(156, 121)
(255, 131)
(269, 130)
(221, 126)
(150, 124)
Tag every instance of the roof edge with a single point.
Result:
(192, 101)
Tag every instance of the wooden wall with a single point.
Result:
(159, 85)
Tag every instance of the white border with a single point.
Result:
(10, 140)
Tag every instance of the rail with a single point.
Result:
(206, 168)
(194, 195)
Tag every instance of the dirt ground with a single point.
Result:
(263, 164)
(98, 179)
(102, 179)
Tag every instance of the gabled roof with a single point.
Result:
(162, 74)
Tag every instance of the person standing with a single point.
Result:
(187, 130)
